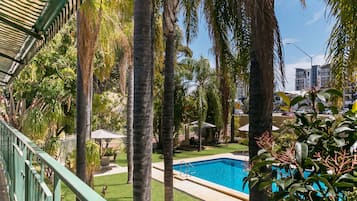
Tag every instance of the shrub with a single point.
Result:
(314, 161)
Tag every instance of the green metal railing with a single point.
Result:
(25, 165)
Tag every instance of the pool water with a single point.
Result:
(228, 172)
(223, 171)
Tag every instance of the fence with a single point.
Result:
(25, 165)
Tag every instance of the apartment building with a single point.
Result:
(318, 77)
(302, 80)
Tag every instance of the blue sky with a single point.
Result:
(308, 28)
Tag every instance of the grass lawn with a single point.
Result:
(119, 190)
(219, 149)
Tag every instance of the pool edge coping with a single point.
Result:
(205, 183)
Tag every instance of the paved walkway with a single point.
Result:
(4, 196)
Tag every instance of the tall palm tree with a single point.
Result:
(264, 37)
(200, 77)
(118, 28)
(143, 99)
(226, 25)
(169, 27)
(129, 122)
(130, 114)
(87, 34)
(93, 15)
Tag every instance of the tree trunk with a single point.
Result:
(199, 137)
(169, 24)
(143, 100)
(225, 94)
(129, 124)
(168, 116)
(261, 80)
(232, 124)
(87, 33)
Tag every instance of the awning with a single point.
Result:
(104, 134)
(245, 128)
(25, 26)
(204, 124)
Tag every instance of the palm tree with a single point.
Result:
(129, 123)
(226, 27)
(169, 26)
(263, 34)
(342, 45)
(143, 99)
(87, 33)
(118, 28)
(90, 19)
(200, 77)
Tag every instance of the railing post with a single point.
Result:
(56, 188)
(11, 167)
(28, 182)
(42, 172)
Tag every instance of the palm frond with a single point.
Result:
(342, 45)
(190, 12)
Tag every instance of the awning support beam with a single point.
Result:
(13, 59)
(6, 73)
(18, 27)
(2, 82)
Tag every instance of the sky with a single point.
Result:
(308, 28)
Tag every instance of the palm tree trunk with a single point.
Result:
(87, 33)
(169, 90)
(261, 79)
(129, 124)
(225, 94)
(199, 136)
(168, 116)
(200, 120)
(169, 22)
(232, 123)
(143, 100)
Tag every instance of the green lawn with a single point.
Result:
(219, 149)
(119, 190)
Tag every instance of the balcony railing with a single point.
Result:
(32, 174)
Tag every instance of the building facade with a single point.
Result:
(318, 77)
(325, 76)
(302, 80)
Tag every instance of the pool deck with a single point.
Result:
(199, 188)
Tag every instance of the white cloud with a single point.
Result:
(290, 40)
(316, 17)
(302, 63)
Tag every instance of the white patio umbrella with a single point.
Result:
(245, 128)
(104, 134)
(204, 124)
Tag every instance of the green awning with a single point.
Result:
(25, 26)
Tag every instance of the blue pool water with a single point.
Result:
(227, 172)
(223, 171)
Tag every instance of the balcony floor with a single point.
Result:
(4, 196)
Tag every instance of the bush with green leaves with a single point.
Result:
(315, 163)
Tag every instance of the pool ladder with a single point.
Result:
(186, 168)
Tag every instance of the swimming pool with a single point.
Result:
(223, 171)
(228, 172)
